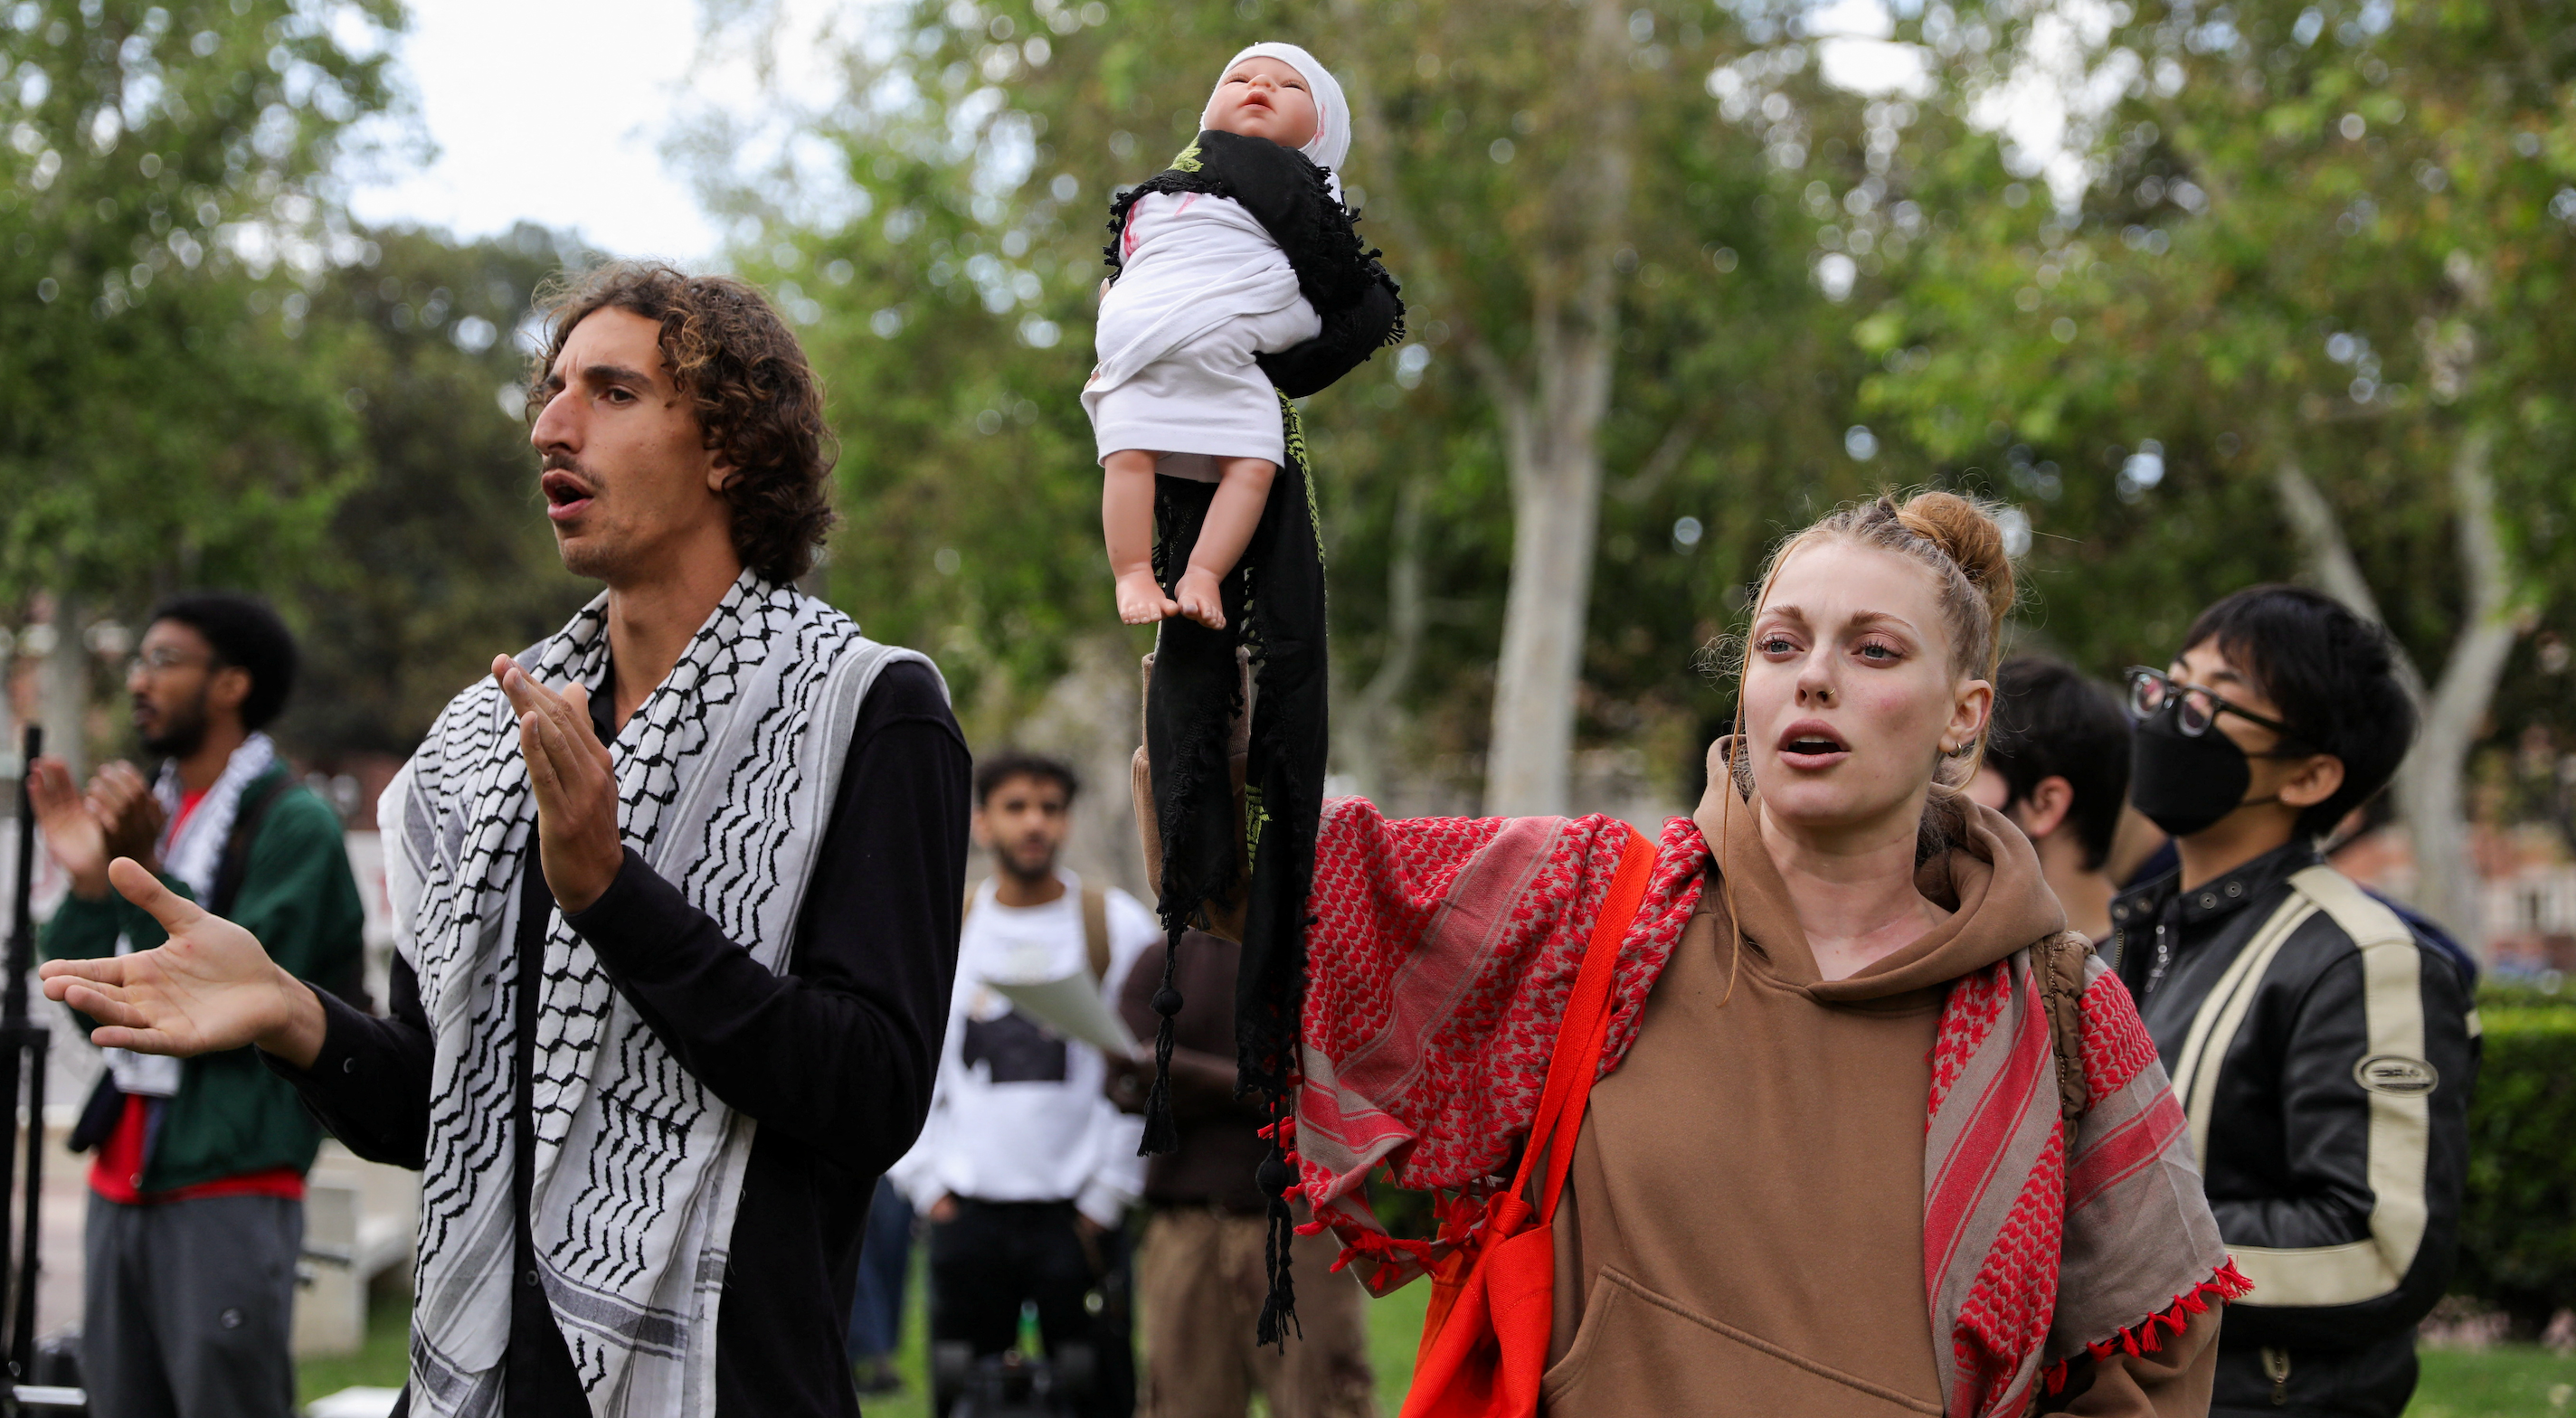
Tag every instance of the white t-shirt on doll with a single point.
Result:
(1202, 288)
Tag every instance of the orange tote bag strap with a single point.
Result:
(1486, 1340)
(1577, 1060)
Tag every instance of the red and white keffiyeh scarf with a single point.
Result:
(1440, 961)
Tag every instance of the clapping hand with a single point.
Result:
(127, 811)
(210, 987)
(117, 817)
(74, 835)
(578, 843)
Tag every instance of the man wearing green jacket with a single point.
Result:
(197, 1212)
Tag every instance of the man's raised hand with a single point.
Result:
(210, 987)
(74, 836)
(122, 801)
(578, 843)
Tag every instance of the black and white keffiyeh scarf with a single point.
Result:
(193, 850)
(725, 778)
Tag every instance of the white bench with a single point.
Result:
(359, 1219)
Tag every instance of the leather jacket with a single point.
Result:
(2324, 1056)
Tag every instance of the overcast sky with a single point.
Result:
(548, 111)
(557, 112)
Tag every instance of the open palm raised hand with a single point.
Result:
(211, 987)
(73, 833)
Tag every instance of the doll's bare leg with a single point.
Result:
(1127, 526)
(1242, 490)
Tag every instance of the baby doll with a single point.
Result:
(1205, 288)
(1239, 284)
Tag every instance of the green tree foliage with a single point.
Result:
(433, 552)
(2335, 239)
(2308, 317)
(438, 556)
(942, 262)
(208, 378)
(167, 415)
(941, 244)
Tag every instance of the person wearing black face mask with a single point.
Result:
(2191, 774)
(2323, 1052)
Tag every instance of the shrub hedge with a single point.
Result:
(2518, 1221)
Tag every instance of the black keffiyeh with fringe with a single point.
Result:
(1293, 199)
(1275, 610)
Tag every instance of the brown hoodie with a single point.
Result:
(1742, 1231)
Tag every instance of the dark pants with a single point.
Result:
(997, 1256)
(189, 1308)
(885, 1254)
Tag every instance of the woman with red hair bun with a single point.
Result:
(1867, 1130)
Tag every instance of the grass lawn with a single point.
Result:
(1395, 1326)
(2490, 1383)
(2509, 1381)
(379, 1363)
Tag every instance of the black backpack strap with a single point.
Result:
(98, 1116)
(351, 984)
(247, 820)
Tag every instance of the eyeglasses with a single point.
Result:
(2195, 709)
(157, 662)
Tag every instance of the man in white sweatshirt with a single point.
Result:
(1025, 1169)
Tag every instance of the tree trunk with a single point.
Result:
(1366, 722)
(2430, 785)
(10, 742)
(66, 697)
(1552, 425)
(1552, 444)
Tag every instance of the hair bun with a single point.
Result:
(1966, 532)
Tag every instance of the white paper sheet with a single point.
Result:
(1072, 1007)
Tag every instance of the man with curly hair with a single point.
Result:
(675, 896)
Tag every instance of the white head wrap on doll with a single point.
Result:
(1332, 140)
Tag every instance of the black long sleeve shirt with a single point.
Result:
(834, 1058)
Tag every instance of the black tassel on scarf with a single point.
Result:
(1276, 1177)
(1162, 1135)
(1276, 599)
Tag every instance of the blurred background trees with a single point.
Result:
(1609, 290)
(2308, 319)
(167, 419)
(163, 418)
(437, 557)
(208, 376)
(1673, 290)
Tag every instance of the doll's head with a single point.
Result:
(1262, 97)
(1279, 92)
